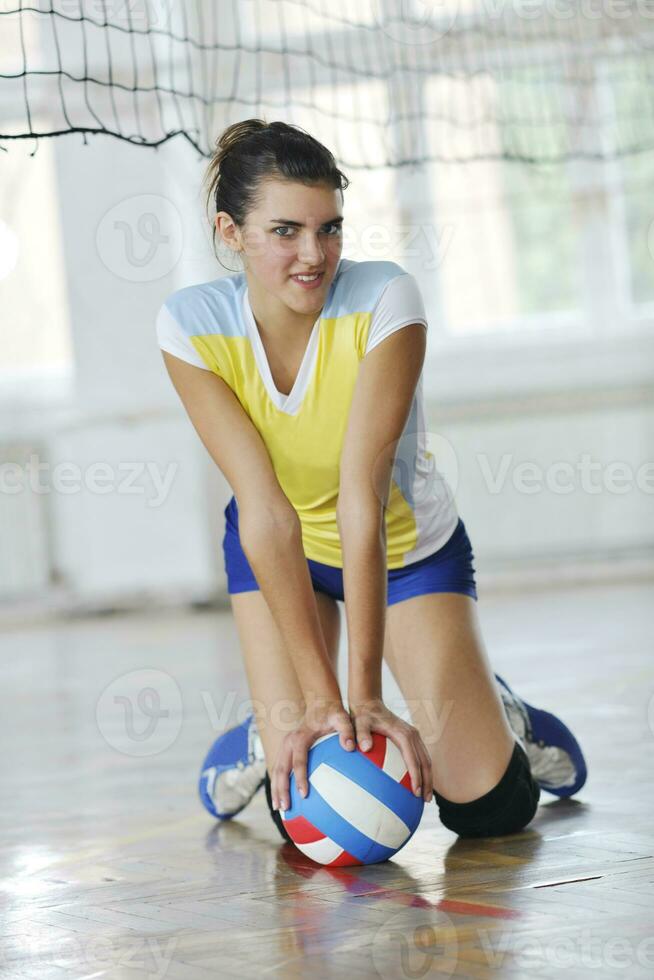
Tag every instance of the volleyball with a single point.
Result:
(360, 808)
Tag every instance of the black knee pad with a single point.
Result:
(505, 809)
(275, 814)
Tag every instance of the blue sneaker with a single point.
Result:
(233, 771)
(557, 762)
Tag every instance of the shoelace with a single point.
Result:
(245, 780)
(237, 785)
(255, 747)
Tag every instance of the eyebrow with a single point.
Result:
(338, 220)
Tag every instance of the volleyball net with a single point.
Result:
(383, 82)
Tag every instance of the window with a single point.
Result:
(510, 231)
(638, 179)
(634, 177)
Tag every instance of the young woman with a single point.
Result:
(302, 375)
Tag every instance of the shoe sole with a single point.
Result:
(545, 723)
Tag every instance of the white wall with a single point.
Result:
(557, 489)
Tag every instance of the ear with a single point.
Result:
(228, 231)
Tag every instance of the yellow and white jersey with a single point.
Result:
(212, 326)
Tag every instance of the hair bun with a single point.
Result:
(238, 131)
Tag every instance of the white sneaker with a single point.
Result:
(233, 771)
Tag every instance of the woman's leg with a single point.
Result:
(271, 676)
(435, 651)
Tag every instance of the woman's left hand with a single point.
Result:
(373, 715)
(320, 718)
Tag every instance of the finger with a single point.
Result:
(274, 789)
(300, 769)
(425, 759)
(364, 736)
(346, 733)
(282, 783)
(412, 763)
(274, 784)
(282, 771)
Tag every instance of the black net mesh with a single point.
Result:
(382, 82)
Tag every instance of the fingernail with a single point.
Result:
(418, 791)
(350, 743)
(303, 792)
(284, 805)
(365, 745)
(274, 804)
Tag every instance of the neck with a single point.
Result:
(275, 318)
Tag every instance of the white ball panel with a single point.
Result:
(359, 807)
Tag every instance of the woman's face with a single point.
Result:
(295, 229)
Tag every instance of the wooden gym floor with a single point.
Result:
(111, 868)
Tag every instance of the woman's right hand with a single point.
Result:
(373, 716)
(320, 718)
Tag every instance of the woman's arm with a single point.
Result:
(273, 547)
(364, 584)
(268, 524)
(364, 547)
(385, 388)
(386, 384)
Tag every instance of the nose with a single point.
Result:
(310, 250)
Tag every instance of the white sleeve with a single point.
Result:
(172, 338)
(399, 304)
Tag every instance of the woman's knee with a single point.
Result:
(505, 809)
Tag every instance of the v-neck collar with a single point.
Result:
(285, 403)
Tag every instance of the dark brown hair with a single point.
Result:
(247, 152)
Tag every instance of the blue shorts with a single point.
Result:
(449, 569)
